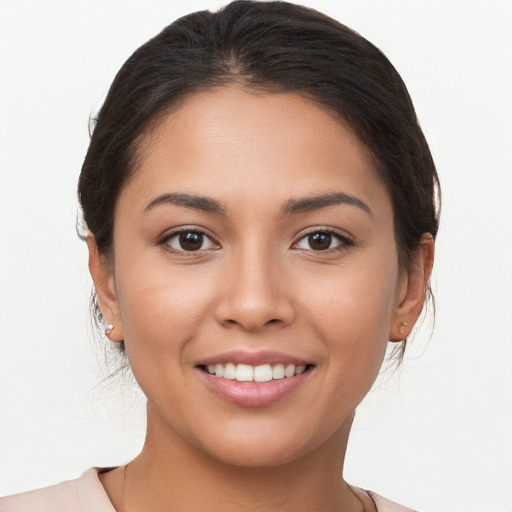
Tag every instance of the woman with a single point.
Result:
(260, 204)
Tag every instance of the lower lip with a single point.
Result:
(254, 394)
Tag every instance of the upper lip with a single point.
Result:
(253, 358)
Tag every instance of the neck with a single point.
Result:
(170, 474)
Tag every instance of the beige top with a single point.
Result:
(86, 494)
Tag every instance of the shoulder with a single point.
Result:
(81, 495)
(385, 505)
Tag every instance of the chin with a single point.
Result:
(244, 454)
(264, 444)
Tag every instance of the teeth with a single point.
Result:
(300, 369)
(244, 373)
(219, 370)
(278, 371)
(289, 371)
(261, 373)
(229, 371)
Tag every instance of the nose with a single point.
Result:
(254, 293)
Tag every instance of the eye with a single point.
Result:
(189, 240)
(323, 241)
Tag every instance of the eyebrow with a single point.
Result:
(323, 201)
(292, 206)
(205, 204)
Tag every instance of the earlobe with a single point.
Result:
(411, 302)
(103, 277)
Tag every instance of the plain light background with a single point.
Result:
(436, 435)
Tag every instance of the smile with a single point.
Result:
(254, 385)
(260, 373)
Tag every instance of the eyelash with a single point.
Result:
(164, 241)
(344, 241)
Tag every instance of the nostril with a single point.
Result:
(230, 321)
(254, 313)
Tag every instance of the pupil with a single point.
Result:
(191, 241)
(320, 241)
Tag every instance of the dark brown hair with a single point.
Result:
(271, 47)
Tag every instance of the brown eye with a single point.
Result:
(189, 241)
(320, 241)
(323, 241)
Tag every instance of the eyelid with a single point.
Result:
(168, 235)
(345, 239)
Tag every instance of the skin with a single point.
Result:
(257, 283)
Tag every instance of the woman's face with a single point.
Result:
(254, 235)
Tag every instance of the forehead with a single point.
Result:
(230, 141)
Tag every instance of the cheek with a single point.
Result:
(351, 309)
(161, 311)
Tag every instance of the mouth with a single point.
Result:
(258, 385)
(255, 379)
(257, 374)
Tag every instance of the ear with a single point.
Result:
(412, 290)
(103, 276)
